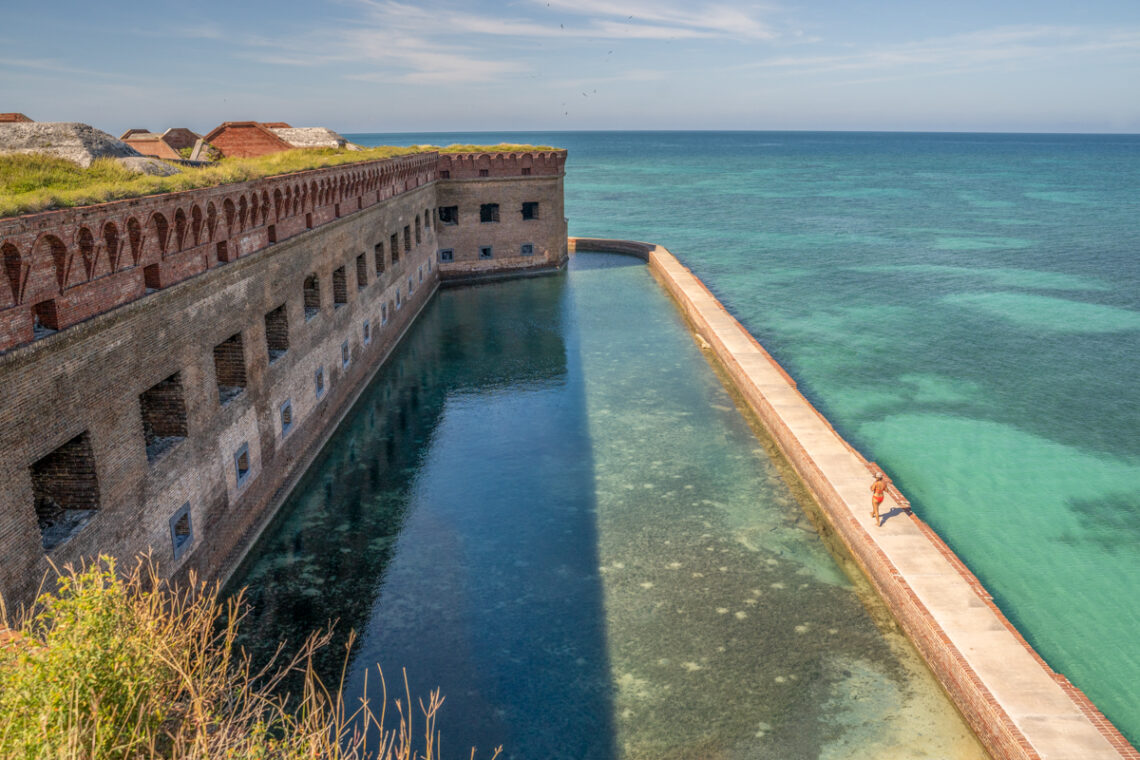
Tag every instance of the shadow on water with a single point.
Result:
(451, 522)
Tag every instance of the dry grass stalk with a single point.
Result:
(123, 666)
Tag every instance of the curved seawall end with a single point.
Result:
(1016, 704)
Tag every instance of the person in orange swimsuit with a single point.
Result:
(878, 491)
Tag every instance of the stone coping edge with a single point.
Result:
(1017, 705)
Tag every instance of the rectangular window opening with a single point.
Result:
(229, 367)
(340, 288)
(319, 381)
(361, 272)
(486, 251)
(427, 219)
(526, 171)
(181, 531)
(366, 332)
(529, 210)
(449, 214)
(312, 290)
(277, 333)
(242, 464)
(163, 409)
(286, 411)
(223, 251)
(345, 354)
(407, 238)
(383, 314)
(484, 173)
(526, 249)
(378, 255)
(489, 212)
(394, 245)
(419, 232)
(444, 174)
(65, 491)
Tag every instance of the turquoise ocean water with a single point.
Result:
(964, 308)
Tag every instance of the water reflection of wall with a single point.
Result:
(324, 555)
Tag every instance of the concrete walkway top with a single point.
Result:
(1016, 704)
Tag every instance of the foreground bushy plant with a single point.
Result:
(121, 665)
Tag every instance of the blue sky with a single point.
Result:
(379, 65)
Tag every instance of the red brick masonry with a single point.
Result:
(1016, 704)
(63, 267)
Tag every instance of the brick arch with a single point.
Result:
(306, 201)
(179, 230)
(296, 199)
(242, 212)
(111, 244)
(278, 200)
(288, 201)
(313, 193)
(264, 206)
(211, 220)
(15, 271)
(135, 240)
(195, 223)
(85, 241)
(230, 212)
(48, 245)
(159, 229)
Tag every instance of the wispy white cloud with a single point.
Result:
(739, 21)
(984, 49)
(396, 41)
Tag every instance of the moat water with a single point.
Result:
(964, 308)
(547, 505)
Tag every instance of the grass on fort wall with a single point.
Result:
(38, 182)
(119, 666)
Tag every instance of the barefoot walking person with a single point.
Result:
(878, 489)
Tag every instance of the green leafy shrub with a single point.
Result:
(119, 666)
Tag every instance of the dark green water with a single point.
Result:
(547, 505)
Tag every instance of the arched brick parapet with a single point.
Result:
(56, 261)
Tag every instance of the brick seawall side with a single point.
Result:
(1016, 704)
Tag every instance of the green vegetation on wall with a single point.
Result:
(38, 182)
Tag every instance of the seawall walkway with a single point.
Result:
(1016, 704)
